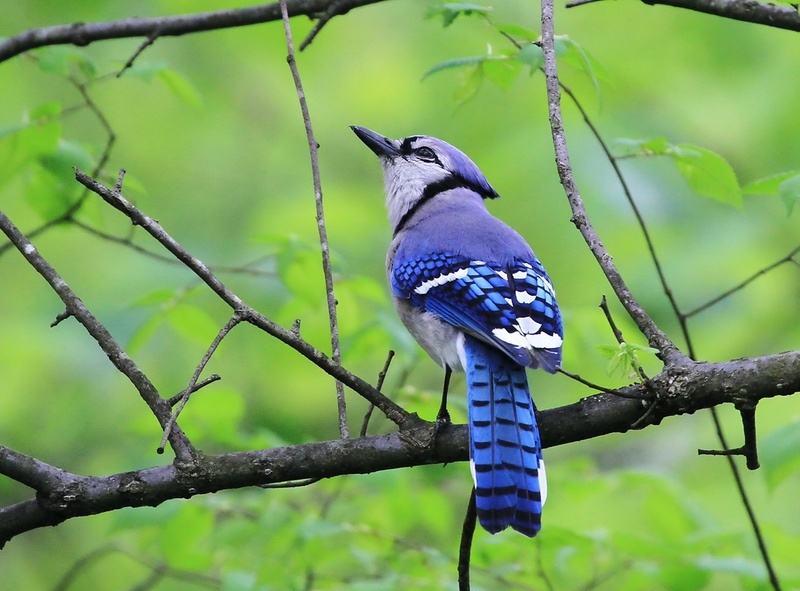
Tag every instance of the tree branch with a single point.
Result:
(668, 352)
(81, 34)
(313, 149)
(116, 354)
(684, 389)
(394, 412)
(760, 13)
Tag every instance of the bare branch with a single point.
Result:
(394, 412)
(656, 337)
(760, 13)
(313, 148)
(81, 34)
(116, 354)
(789, 258)
(683, 389)
(183, 397)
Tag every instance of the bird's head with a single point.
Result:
(419, 167)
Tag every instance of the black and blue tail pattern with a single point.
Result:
(505, 448)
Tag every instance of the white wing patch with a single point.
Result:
(512, 337)
(523, 297)
(543, 340)
(542, 481)
(426, 286)
(524, 336)
(528, 325)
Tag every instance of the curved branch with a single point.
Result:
(85, 33)
(760, 13)
(668, 352)
(681, 390)
(394, 412)
(115, 353)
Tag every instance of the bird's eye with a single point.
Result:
(425, 153)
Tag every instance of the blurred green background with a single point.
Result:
(209, 131)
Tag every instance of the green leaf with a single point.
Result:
(146, 71)
(780, 454)
(626, 147)
(57, 59)
(573, 54)
(531, 55)
(239, 581)
(459, 62)
(452, 10)
(181, 87)
(789, 191)
(623, 358)
(144, 333)
(469, 86)
(769, 184)
(707, 173)
(48, 193)
(502, 71)
(67, 156)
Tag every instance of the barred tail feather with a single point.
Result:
(505, 449)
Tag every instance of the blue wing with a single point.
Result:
(512, 306)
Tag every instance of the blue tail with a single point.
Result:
(505, 448)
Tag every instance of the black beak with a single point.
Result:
(382, 146)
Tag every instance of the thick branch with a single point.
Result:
(685, 389)
(772, 15)
(116, 354)
(393, 411)
(85, 33)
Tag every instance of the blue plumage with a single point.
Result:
(473, 294)
(504, 441)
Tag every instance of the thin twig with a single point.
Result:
(192, 387)
(116, 354)
(198, 386)
(393, 411)
(789, 258)
(165, 26)
(632, 203)
(144, 45)
(379, 387)
(293, 484)
(603, 389)
(313, 148)
(751, 514)
(336, 8)
(655, 336)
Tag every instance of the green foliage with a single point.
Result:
(785, 185)
(178, 84)
(60, 59)
(778, 454)
(449, 11)
(623, 359)
(630, 512)
(707, 173)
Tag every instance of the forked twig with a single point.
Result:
(183, 397)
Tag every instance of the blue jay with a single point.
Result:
(472, 293)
